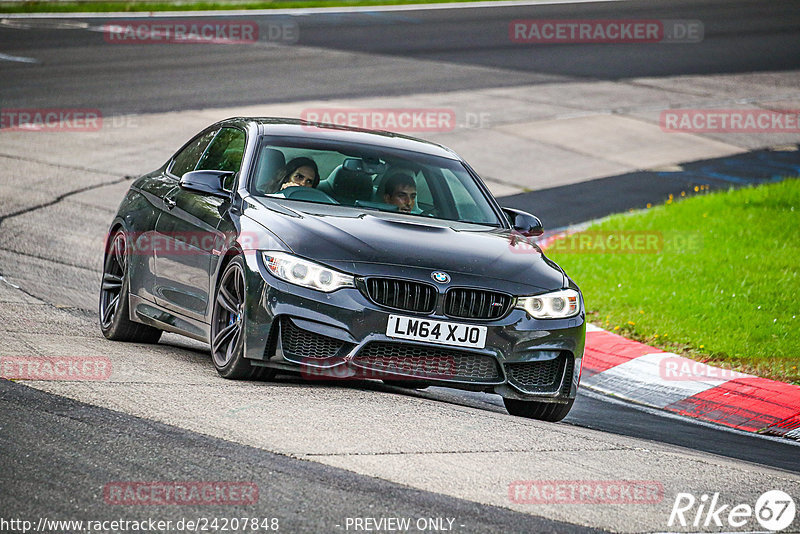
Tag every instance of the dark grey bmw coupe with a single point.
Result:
(339, 252)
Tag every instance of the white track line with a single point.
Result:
(20, 59)
(2, 279)
(642, 380)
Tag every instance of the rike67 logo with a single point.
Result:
(774, 510)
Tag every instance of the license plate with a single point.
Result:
(441, 332)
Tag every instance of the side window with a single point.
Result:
(186, 160)
(225, 151)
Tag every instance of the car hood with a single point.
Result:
(351, 239)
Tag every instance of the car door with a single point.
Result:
(148, 207)
(189, 227)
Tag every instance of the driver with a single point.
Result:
(301, 172)
(401, 191)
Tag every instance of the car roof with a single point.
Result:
(279, 126)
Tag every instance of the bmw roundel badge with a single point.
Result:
(440, 277)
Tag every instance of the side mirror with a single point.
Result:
(524, 223)
(208, 182)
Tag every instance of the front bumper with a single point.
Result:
(342, 335)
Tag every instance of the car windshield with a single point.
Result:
(369, 177)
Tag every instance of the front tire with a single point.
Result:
(115, 320)
(227, 326)
(543, 411)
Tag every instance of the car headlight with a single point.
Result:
(555, 305)
(305, 273)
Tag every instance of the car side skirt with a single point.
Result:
(149, 313)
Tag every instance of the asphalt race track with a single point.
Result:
(384, 54)
(321, 453)
(305, 496)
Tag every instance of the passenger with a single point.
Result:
(299, 172)
(401, 191)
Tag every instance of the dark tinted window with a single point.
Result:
(225, 151)
(186, 160)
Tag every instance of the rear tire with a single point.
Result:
(543, 411)
(114, 312)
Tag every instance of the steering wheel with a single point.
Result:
(429, 211)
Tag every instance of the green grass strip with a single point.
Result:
(711, 276)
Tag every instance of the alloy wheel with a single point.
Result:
(113, 277)
(227, 324)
